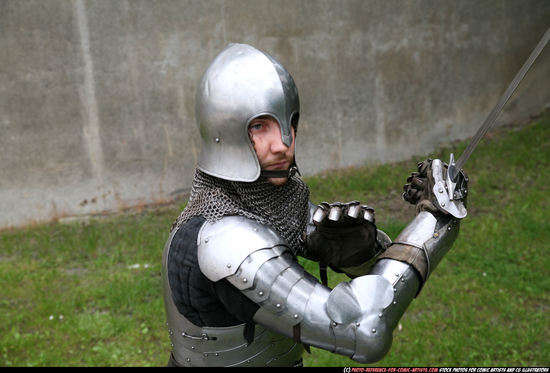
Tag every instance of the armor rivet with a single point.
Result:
(217, 354)
(436, 234)
(443, 204)
(171, 344)
(295, 315)
(192, 347)
(440, 190)
(248, 361)
(373, 330)
(228, 265)
(245, 280)
(394, 290)
(278, 305)
(397, 275)
(206, 240)
(394, 302)
(205, 354)
(449, 228)
(217, 139)
(380, 315)
(188, 360)
(402, 279)
(334, 323)
(357, 324)
(260, 293)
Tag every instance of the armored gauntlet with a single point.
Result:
(427, 189)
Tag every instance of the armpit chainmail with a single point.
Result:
(284, 208)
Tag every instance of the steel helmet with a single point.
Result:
(241, 84)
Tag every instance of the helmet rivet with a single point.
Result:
(217, 139)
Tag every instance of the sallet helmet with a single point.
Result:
(241, 84)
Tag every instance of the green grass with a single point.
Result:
(73, 295)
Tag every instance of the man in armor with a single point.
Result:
(234, 292)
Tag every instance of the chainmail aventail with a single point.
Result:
(283, 208)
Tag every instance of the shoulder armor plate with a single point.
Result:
(223, 245)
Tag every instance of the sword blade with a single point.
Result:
(491, 118)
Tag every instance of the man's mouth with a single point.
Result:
(283, 165)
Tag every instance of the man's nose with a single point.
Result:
(276, 141)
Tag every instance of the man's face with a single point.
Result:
(265, 135)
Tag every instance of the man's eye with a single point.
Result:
(256, 126)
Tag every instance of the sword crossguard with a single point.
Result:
(451, 177)
(444, 189)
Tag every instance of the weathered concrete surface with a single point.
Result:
(97, 97)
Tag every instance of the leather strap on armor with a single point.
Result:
(424, 242)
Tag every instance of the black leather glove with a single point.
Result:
(344, 236)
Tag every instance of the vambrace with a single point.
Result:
(424, 242)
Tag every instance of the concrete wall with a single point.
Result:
(97, 97)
